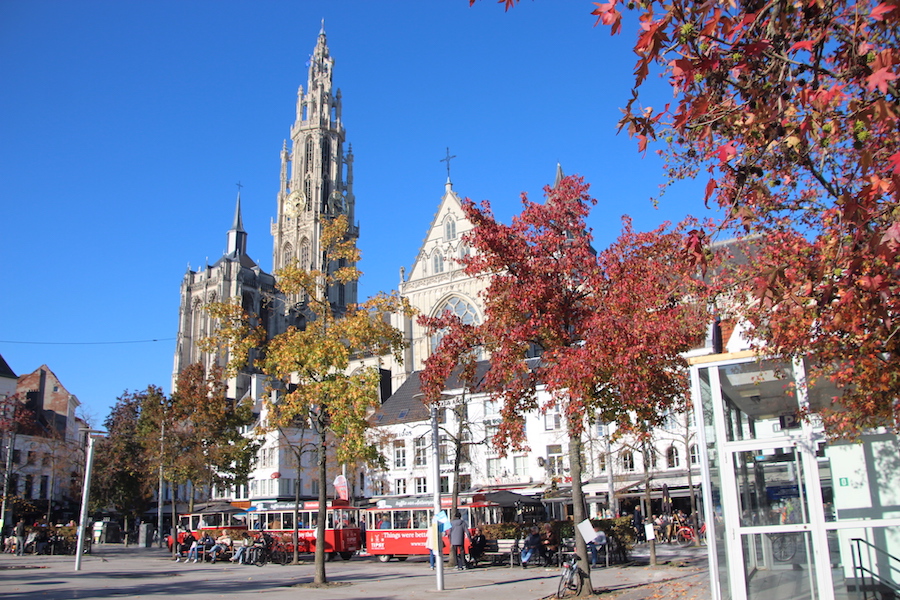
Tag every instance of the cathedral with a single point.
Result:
(316, 184)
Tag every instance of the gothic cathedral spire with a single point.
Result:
(316, 175)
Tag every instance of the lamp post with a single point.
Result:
(85, 497)
(439, 551)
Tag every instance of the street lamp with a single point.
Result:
(85, 495)
(435, 441)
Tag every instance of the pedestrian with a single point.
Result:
(599, 542)
(431, 544)
(20, 537)
(458, 533)
(637, 521)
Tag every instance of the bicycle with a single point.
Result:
(572, 578)
(784, 546)
(685, 535)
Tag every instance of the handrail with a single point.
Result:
(876, 580)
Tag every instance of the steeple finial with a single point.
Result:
(559, 175)
(447, 160)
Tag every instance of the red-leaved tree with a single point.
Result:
(789, 110)
(610, 327)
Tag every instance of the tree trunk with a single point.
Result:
(575, 468)
(648, 510)
(323, 506)
(454, 498)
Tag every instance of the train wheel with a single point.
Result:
(346, 555)
(385, 557)
(402, 558)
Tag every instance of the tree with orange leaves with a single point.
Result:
(791, 109)
(310, 366)
(610, 328)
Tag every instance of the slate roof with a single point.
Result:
(5, 370)
(405, 405)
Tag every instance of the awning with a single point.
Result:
(507, 498)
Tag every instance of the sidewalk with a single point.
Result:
(115, 571)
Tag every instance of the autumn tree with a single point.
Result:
(791, 110)
(455, 367)
(311, 366)
(15, 419)
(610, 328)
(209, 427)
(120, 475)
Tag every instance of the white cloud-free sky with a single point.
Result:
(125, 127)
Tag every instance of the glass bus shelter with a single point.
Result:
(790, 514)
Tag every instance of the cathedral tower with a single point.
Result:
(316, 177)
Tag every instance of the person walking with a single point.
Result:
(458, 533)
(598, 543)
(637, 521)
(20, 537)
(431, 544)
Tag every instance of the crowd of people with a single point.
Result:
(193, 550)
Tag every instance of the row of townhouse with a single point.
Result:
(42, 455)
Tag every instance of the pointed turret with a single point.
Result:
(237, 237)
(559, 175)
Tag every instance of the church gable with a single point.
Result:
(443, 244)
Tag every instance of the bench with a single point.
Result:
(499, 551)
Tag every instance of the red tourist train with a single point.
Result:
(397, 527)
(343, 534)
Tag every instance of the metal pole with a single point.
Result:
(159, 496)
(439, 551)
(10, 448)
(85, 496)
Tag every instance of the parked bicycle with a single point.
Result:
(572, 578)
(784, 546)
(685, 535)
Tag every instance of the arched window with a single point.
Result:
(287, 254)
(627, 459)
(309, 156)
(459, 307)
(464, 250)
(438, 262)
(304, 254)
(672, 459)
(450, 229)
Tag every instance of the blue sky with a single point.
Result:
(125, 127)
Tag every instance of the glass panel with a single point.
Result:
(779, 565)
(759, 399)
(859, 479)
(866, 558)
(402, 519)
(716, 527)
(770, 487)
(287, 521)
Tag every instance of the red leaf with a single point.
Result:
(894, 161)
(879, 11)
(806, 45)
(710, 186)
(726, 152)
(880, 79)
